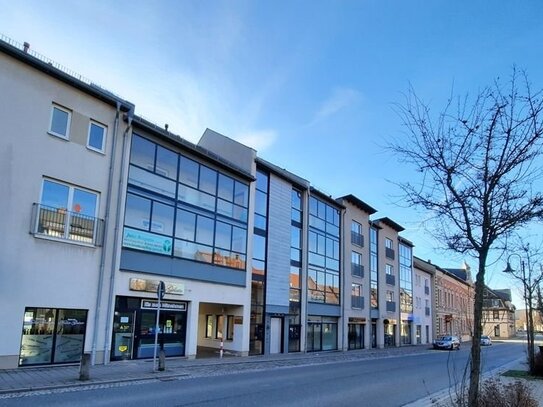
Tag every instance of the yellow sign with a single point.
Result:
(123, 348)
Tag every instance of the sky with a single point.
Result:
(311, 85)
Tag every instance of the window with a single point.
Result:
(496, 314)
(210, 323)
(220, 326)
(388, 243)
(97, 137)
(390, 296)
(356, 234)
(60, 122)
(389, 269)
(356, 296)
(356, 265)
(230, 327)
(210, 208)
(68, 212)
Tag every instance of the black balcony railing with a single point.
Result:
(357, 270)
(389, 253)
(357, 302)
(63, 224)
(391, 306)
(357, 239)
(390, 279)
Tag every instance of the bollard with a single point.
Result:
(221, 350)
(84, 367)
(161, 360)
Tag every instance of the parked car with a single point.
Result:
(485, 340)
(447, 342)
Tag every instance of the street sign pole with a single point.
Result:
(160, 291)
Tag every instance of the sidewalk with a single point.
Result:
(26, 379)
(20, 380)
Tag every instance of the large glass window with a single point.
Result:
(174, 196)
(67, 212)
(52, 335)
(374, 297)
(324, 253)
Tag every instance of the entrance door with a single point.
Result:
(123, 335)
(276, 334)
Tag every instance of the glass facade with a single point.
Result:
(374, 280)
(324, 253)
(406, 292)
(321, 333)
(178, 207)
(258, 286)
(295, 271)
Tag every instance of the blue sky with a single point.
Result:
(311, 85)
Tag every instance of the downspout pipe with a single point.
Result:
(97, 310)
(116, 239)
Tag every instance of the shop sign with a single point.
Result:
(150, 286)
(149, 242)
(172, 306)
(238, 320)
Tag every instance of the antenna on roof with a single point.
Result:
(166, 126)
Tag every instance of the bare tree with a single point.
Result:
(479, 160)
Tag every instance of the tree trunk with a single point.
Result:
(475, 363)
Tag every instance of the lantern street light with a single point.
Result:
(528, 294)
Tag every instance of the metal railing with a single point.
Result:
(391, 306)
(357, 302)
(389, 253)
(357, 238)
(62, 224)
(390, 279)
(357, 270)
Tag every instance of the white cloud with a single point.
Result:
(340, 99)
(258, 139)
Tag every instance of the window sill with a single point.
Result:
(61, 240)
(95, 150)
(60, 136)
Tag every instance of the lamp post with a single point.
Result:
(527, 290)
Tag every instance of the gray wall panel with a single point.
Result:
(167, 266)
(279, 231)
(323, 309)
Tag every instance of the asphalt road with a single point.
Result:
(383, 382)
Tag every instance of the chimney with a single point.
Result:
(26, 45)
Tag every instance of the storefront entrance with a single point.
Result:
(134, 328)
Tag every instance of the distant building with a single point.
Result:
(520, 320)
(454, 302)
(423, 292)
(498, 313)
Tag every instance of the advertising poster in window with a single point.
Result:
(136, 239)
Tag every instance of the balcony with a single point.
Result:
(357, 270)
(390, 279)
(357, 302)
(389, 253)
(65, 225)
(391, 306)
(357, 239)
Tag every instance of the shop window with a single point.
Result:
(210, 323)
(52, 335)
(219, 327)
(230, 327)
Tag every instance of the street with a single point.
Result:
(388, 381)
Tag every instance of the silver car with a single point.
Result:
(447, 342)
(485, 340)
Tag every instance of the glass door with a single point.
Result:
(123, 335)
(171, 333)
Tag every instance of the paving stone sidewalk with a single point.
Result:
(45, 378)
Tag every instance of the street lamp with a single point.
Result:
(526, 285)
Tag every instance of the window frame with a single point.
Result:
(68, 123)
(104, 136)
